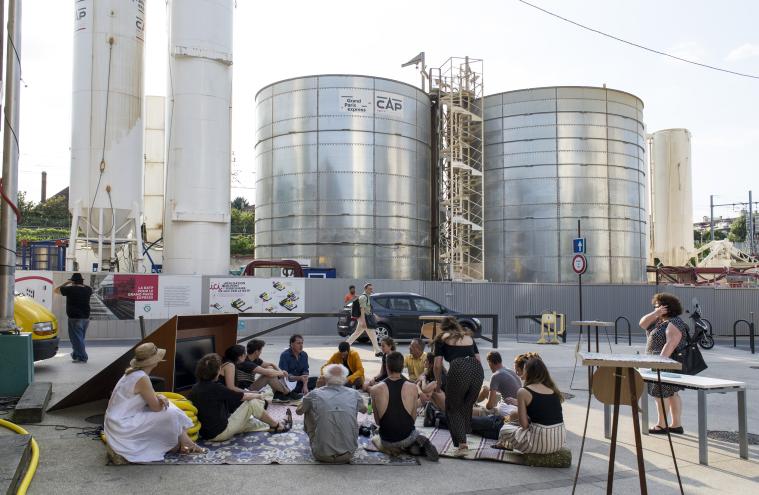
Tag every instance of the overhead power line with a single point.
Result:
(658, 52)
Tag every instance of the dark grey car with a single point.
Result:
(398, 316)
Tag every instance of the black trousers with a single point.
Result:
(465, 376)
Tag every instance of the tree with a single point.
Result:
(738, 230)
(240, 203)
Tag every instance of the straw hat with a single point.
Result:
(147, 355)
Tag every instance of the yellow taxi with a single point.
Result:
(32, 317)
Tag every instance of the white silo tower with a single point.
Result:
(671, 200)
(198, 145)
(105, 195)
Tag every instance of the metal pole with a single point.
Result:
(711, 215)
(751, 334)
(750, 225)
(579, 280)
(10, 167)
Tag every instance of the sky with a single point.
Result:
(521, 48)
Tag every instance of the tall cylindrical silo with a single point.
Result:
(198, 138)
(105, 195)
(553, 156)
(671, 229)
(343, 173)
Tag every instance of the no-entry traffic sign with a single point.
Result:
(579, 264)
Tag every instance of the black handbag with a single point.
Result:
(371, 321)
(690, 357)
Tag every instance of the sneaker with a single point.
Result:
(430, 452)
(295, 396)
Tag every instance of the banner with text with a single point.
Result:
(256, 295)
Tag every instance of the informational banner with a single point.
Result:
(256, 295)
(129, 296)
(37, 284)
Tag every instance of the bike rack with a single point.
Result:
(750, 325)
(629, 328)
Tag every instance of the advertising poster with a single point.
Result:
(256, 295)
(128, 296)
(37, 284)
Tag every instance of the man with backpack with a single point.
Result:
(361, 309)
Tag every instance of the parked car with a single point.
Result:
(34, 318)
(398, 316)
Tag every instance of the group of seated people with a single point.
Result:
(520, 408)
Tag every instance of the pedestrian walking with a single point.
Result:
(366, 322)
(78, 311)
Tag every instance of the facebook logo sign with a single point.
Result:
(578, 245)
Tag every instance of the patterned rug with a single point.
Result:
(284, 448)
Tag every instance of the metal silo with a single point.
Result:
(553, 156)
(343, 166)
(671, 229)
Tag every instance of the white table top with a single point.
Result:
(593, 323)
(702, 382)
(608, 360)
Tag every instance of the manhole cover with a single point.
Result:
(567, 396)
(731, 436)
(97, 419)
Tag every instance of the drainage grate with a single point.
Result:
(731, 436)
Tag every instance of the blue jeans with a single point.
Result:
(77, 332)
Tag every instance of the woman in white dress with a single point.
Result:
(140, 425)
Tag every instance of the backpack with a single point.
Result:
(356, 308)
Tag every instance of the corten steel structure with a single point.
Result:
(343, 175)
(553, 156)
(671, 197)
(457, 90)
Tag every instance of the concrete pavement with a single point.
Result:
(74, 464)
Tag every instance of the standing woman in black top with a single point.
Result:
(464, 379)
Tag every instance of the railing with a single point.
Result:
(304, 316)
(629, 330)
(750, 325)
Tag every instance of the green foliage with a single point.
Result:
(738, 230)
(41, 234)
(241, 244)
(52, 213)
(243, 222)
(243, 227)
(240, 203)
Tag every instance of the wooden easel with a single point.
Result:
(624, 368)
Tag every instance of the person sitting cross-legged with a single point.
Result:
(395, 402)
(351, 360)
(330, 417)
(415, 360)
(541, 422)
(294, 360)
(500, 398)
(254, 373)
(212, 399)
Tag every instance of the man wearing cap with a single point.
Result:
(364, 301)
(78, 311)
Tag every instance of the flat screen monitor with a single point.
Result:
(189, 352)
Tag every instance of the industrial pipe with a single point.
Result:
(35, 452)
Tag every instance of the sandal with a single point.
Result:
(288, 419)
(460, 452)
(657, 430)
(282, 427)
